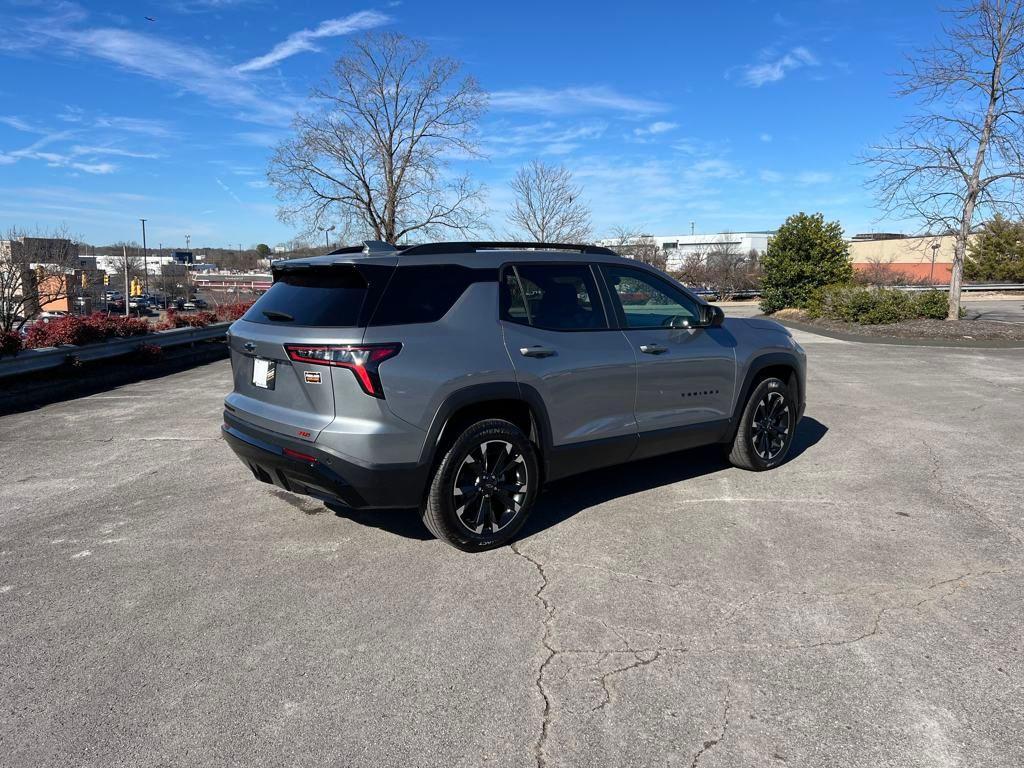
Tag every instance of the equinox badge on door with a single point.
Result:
(311, 377)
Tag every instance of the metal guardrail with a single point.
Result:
(32, 360)
(967, 288)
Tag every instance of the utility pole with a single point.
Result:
(691, 229)
(124, 248)
(145, 260)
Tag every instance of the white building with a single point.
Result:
(112, 262)
(678, 247)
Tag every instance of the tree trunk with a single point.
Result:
(956, 275)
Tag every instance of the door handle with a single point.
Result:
(653, 349)
(536, 351)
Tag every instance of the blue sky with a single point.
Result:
(731, 115)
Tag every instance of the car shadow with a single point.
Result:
(563, 499)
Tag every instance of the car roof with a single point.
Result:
(488, 254)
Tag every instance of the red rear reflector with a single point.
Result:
(300, 456)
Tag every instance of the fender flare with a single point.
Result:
(754, 368)
(481, 393)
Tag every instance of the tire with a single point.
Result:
(484, 488)
(756, 447)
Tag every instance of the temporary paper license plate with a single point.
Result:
(263, 372)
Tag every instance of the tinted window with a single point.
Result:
(335, 296)
(559, 297)
(649, 302)
(424, 294)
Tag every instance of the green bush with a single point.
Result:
(933, 305)
(874, 306)
(806, 253)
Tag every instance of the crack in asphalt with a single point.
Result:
(549, 610)
(638, 662)
(959, 497)
(724, 728)
(642, 657)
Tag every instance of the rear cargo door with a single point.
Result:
(321, 305)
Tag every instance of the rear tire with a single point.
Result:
(484, 488)
(766, 428)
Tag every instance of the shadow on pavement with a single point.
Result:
(562, 499)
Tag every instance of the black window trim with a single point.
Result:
(620, 314)
(595, 275)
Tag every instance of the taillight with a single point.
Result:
(362, 360)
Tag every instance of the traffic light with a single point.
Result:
(85, 280)
(106, 279)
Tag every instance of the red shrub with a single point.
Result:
(232, 311)
(10, 343)
(84, 330)
(192, 320)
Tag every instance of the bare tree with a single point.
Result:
(35, 271)
(639, 246)
(962, 157)
(722, 268)
(375, 159)
(547, 205)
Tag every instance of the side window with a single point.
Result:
(557, 297)
(648, 302)
(422, 293)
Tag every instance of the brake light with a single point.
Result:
(363, 360)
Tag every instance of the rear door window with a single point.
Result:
(331, 296)
(557, 297)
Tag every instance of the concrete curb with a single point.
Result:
(899, 341)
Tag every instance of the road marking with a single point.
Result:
(83, 553)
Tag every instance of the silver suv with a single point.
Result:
(458, 378)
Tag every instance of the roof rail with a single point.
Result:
(368, 247)
(501, 245)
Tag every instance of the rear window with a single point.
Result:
(425, 293)
(334, 296)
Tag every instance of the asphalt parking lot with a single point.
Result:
(860, 606)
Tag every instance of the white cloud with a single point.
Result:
(767, 138)
(18, 124)
(572, 100)
(95, 168)
(771, 177)
(813, 177)
(659, 126)
(80, 149)
(502, 139)
(772, 71)
(303, 40)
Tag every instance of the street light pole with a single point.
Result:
(145, 259)
(931, 273)
(327, 235)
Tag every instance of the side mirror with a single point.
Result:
(711, 316)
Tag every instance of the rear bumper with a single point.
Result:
(328, 476)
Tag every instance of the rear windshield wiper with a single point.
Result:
(273, 314)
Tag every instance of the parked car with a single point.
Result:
(199, 303)
(188, 305)
(460, 377)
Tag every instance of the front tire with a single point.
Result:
(484, 488)
(766, 428)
